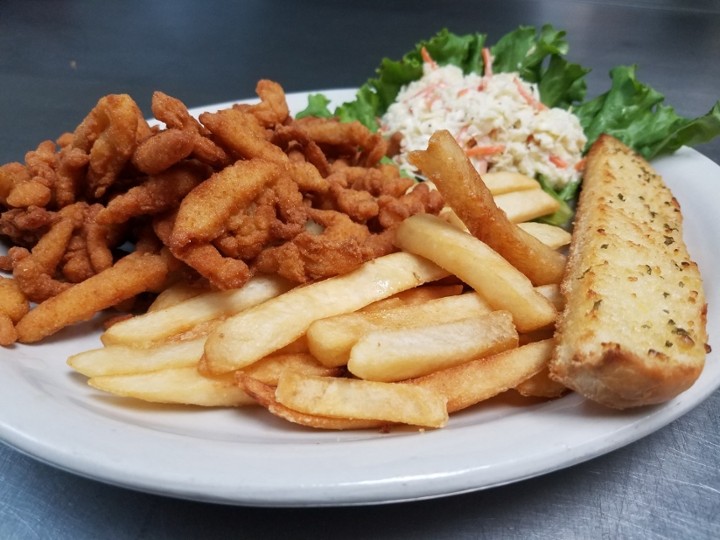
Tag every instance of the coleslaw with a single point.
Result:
(497, 118)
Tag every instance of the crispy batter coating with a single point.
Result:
(34, 270)
(158, 193)
(242, 134)
(162, 150)
(25, 226)
(109, 135)
(69, 171)
(273, 108)
(13, 306)
(222, 272)
(204, 212)
(128, 277)
(175, 115)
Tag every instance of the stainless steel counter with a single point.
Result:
(58, 57)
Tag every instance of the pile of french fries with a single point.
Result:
(446, 322)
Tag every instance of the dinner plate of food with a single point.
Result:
(256, 303)
(247, 456)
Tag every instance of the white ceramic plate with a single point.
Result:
(248, 457)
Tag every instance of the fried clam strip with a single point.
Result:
(204, 211)
(109, 134)
(254, 333)
(24, 227)
(344, 138)
(273, 109)
(242, 135)
(128, 277)
(475, 381)
(162, 150)
(175, 115)
(74, 248)
(34, 270)
(34, 185)
(445, 163)
(222, 272)
(13, 306)
(13, 175)
(341, 247)
(160, 192)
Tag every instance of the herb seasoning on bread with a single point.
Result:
(633, 330)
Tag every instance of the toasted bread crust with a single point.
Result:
(633, 330)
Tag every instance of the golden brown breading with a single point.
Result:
(108, 134)
(162, 150)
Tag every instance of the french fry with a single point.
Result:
(175, 294)
(144, 330)
(256, 332)
(494, 278)
(131, 275)
(184, 386)
(551, 235)
(364, 400)
(331, 339)
(418, 295)
(200, 330)
(552, 293)
(395, 355)
(269, 369)
(542, 386)
(300, 345)
(475, 381)
(520, 206)
(505, 182)
(264, 394)
(449, 215)
(124, 360)
(445, 163)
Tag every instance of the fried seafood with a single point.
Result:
(109, 135)
(242, 134)
(162, 150)
(130, 276)
(13, 306)
(215, 199)
(159, 193)
(204, 213)
(175, 115)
